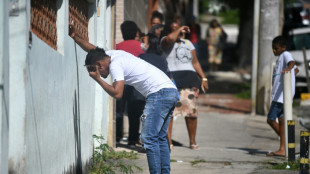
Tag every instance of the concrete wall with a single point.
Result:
(119, 15)
(136, 10)
(4, 64)
(54, 106)
(17, 89)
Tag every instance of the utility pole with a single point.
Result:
(268, 29)
(255, 56)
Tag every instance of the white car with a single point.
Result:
(299, 38)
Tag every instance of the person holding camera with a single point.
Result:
(185, 68)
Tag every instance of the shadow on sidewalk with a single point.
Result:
(176, 143)
(137, 148)
(269, 138)
(250, 151)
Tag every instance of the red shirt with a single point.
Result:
(193, 35)
(130, 46)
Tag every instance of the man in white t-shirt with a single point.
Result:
(284, 63)
(161, 95)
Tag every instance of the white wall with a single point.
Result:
(136, 10)
(4, 57)
(17, 89)
(133, 10)
(55, 107)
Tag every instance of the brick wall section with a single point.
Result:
(119, 20)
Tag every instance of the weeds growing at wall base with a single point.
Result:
(107, 161)
(284, 166)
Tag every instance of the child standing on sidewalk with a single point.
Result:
(284, 63)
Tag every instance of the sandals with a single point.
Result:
(274, 154)
(194, 146)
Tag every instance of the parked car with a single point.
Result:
(297, 39)
(292, 16)
(305, 13)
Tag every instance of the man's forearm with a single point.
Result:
(111, 90)
(86, 46)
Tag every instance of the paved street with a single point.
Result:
(230, 139)
(230, 142)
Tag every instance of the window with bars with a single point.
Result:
(43, 21)
(78, 15)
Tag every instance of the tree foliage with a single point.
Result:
(245, 11)
(203, 6)
(244, 44)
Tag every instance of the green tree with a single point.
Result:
(203, 6)
(245, 37)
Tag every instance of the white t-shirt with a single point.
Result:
(180, 58)
(144, 77)
(277, 77)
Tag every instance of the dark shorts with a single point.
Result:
(275, 111)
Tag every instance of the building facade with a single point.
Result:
(50, 107)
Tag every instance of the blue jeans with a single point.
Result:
(155, 121)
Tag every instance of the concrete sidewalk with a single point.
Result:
(229, 143)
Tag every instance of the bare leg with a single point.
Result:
(281, 150)
(279, 129)
(191, 123)
(274, 125)
(170, 132)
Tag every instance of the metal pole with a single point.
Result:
(287, 105)
(304, 152)
(255, 56)
(306, 68)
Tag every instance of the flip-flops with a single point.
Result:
(274, 154)
(171, 147)
(194, 146)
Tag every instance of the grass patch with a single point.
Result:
(296, 103)
(107, 161)
(245, 91)
(282, 166)
(244, 94)
(198, 161)
(227, 163)
(173, 160)
(230, 17)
